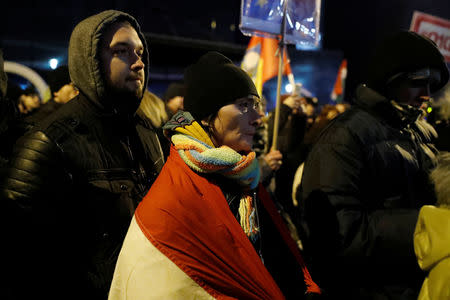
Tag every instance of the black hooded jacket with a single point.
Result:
(363, 184)
(79, 174)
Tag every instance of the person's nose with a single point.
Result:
(138, 63)
(428, 90)
(261, 112)
(255, 119)
(425, 93)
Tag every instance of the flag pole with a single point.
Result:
(281, 48)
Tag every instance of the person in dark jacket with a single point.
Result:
(292, 127)
(366, 178)
(9, 114)
(82, 171)
(62, 90)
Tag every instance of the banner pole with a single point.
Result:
(281, 49)
(277, 107)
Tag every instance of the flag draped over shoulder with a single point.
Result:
(337, 94)
(260, 60)
(185, 243)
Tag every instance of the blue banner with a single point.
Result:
(265, 17)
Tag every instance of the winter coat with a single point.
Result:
(82, 172)
(432, 247)
(42, 112)
(363, 184)
(184, 240)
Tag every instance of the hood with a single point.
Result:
(84, 57)
(432, 236)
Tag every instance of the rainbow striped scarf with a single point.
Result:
(198, 152)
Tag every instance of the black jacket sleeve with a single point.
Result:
(35, 170)
(28, 211)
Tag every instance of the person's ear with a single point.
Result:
(207, 126)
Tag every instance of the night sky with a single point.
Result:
(180, 31)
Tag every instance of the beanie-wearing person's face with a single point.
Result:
(236, 123)
(175, 104)
(66, 93)
(122, 60)
(413, 88)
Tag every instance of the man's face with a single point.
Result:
(413, 88)
(122, 60)
(27, 103)
(176, 103)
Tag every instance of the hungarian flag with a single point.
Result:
(337, 95)
(185, 243)
(261, 63)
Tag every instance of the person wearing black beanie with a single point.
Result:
(174, 97)
(214, 81)
(207, 220)
(366, 177)
(61, 86)
(62, 91)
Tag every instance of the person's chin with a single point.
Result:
(246, 146)
(417, 104)
(134, 85)
(135, 91)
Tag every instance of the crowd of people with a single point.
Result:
(111, 192)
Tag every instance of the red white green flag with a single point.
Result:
(337, 95)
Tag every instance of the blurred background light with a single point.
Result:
(53, 63)
(288, 88)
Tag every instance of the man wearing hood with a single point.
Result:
(366, 177)
(83, 170)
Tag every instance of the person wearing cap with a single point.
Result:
(28, 101)
(291, 131)
(78, 175)
(366, 177)
(207, 229)
(61, 86)
(174, 97)
(62, 90)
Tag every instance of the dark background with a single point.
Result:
(179, 32)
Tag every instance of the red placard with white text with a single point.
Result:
(435, 28)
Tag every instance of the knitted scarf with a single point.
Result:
(198, 152)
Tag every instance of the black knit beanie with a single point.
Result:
(175, 89)
(214, 81)
(405, 51)
(58, 78)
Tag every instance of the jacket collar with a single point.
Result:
(395, 114)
